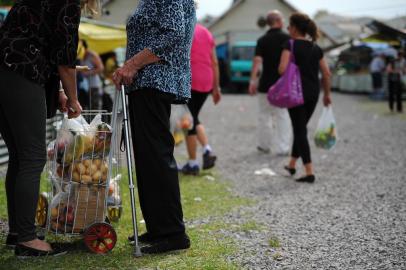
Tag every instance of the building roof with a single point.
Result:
(237, 3)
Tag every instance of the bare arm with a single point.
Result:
(284, 61)
(98, 65)
(216, 82)
(68, 78)
(256, 66)
(127, 73)
(326, 81)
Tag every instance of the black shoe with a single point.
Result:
(209, 160)
(24, 252)
(11, 241)
(306, 179)
(172, 243)
(146, 238)
(187, 169)
(291, 171)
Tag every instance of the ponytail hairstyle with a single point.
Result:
(305, 25)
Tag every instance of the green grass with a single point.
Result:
(251, 226)
(274, 242)
(209, 249)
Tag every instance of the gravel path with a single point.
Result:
(353, 217)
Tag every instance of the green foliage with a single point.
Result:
(6, 2)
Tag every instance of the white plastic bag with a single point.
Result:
(181, 118)
(326, 132)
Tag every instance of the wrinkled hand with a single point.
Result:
(74, 108)
(326, 100)
(216, 95)
(63, 99)
(124, 75)
(252, 90)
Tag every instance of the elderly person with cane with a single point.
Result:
(157, 74)
(38, 45)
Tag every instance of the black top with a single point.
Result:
(269, 47)
(39, 35)
(308, 56)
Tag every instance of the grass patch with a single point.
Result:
(201, 198)
(274, 242)
(251, 226)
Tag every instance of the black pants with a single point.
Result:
(300, 117)
(157, 173)
(195, 105)
(22, 126)
(395, 91)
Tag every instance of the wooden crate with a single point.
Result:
(89, 206)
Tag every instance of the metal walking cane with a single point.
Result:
(137, 249)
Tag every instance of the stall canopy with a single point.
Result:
(102, 37)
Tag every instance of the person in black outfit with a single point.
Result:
(310, 60)
(395, 69)
(274, 132)
(30, 87)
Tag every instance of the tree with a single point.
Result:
(6, 2)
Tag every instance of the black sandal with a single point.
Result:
(292, 171)
(24, 252)
(306, 179)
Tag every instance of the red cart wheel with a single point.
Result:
(100, 238)
(42, 210)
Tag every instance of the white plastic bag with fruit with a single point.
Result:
(326, 132)
(181, 118)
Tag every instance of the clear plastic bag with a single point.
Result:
(181, 118)
(326, 132)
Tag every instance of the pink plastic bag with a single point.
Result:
(287, 91)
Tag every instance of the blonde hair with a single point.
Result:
(91, 7)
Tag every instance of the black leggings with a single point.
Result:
(300, 117)
(22, 126)
(195, 105)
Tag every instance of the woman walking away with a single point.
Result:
(309, 58)
(205, 80)
(38, 39)
(395, 69)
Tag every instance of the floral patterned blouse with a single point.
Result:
(39, 35)
(165, 27)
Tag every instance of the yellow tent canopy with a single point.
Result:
(102, 37)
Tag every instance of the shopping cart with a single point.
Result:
(84, 172)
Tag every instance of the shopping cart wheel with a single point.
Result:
(42, 210)
(100, 238)
(114, 213)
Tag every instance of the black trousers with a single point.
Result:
(156, 168)
(300, 117)
(22, 126)
(395, 91)
(195, 105)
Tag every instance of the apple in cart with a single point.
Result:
(70, 218)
